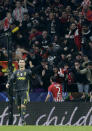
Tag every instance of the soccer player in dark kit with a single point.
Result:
(21, 79)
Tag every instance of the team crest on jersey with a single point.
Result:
(21, 74)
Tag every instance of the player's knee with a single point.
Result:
(23, 106)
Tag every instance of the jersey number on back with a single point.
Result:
(58, 87)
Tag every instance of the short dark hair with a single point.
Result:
(53, 78)
(21, 59)
(76, 61)
(44, 60)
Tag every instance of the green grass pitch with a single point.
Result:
(45, 128)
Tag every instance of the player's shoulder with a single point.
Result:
(57, 83)
(17, 71)
(28, 71)
(51, 85)
(54, 84)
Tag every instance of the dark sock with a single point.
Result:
(19, 111)
(23, 112)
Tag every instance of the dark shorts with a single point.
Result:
(21, 97)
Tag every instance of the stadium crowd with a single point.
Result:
(55, 39)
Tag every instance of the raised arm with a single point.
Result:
(47, 98)
(49, 94)
(84, 71)
(25, 3)
(30, 3)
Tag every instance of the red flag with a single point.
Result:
(6, 24)
(77, 39)
(89, 15)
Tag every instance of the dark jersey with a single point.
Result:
(21, 79)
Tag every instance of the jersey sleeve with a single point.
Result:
(50, 89)
(12, 78)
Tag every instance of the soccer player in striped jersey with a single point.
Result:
(55, 89)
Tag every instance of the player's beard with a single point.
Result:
(22, 67)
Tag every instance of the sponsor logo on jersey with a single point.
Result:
(21, 78)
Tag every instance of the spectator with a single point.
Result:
(90, 50)
(45, 73)
(84, 87)
(44, 39)
(54, 25)
(18, 12)
(36, 83)
(86, 37)
(64, 23)
(7, 21)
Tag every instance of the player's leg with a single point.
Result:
(24, 101)
(18, 102)
(23, 113)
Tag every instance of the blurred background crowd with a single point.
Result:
(55, 39)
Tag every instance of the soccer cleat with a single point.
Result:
(23, 123)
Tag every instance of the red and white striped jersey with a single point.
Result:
(86, 3)
(56, 90)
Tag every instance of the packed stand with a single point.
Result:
(55, 39)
